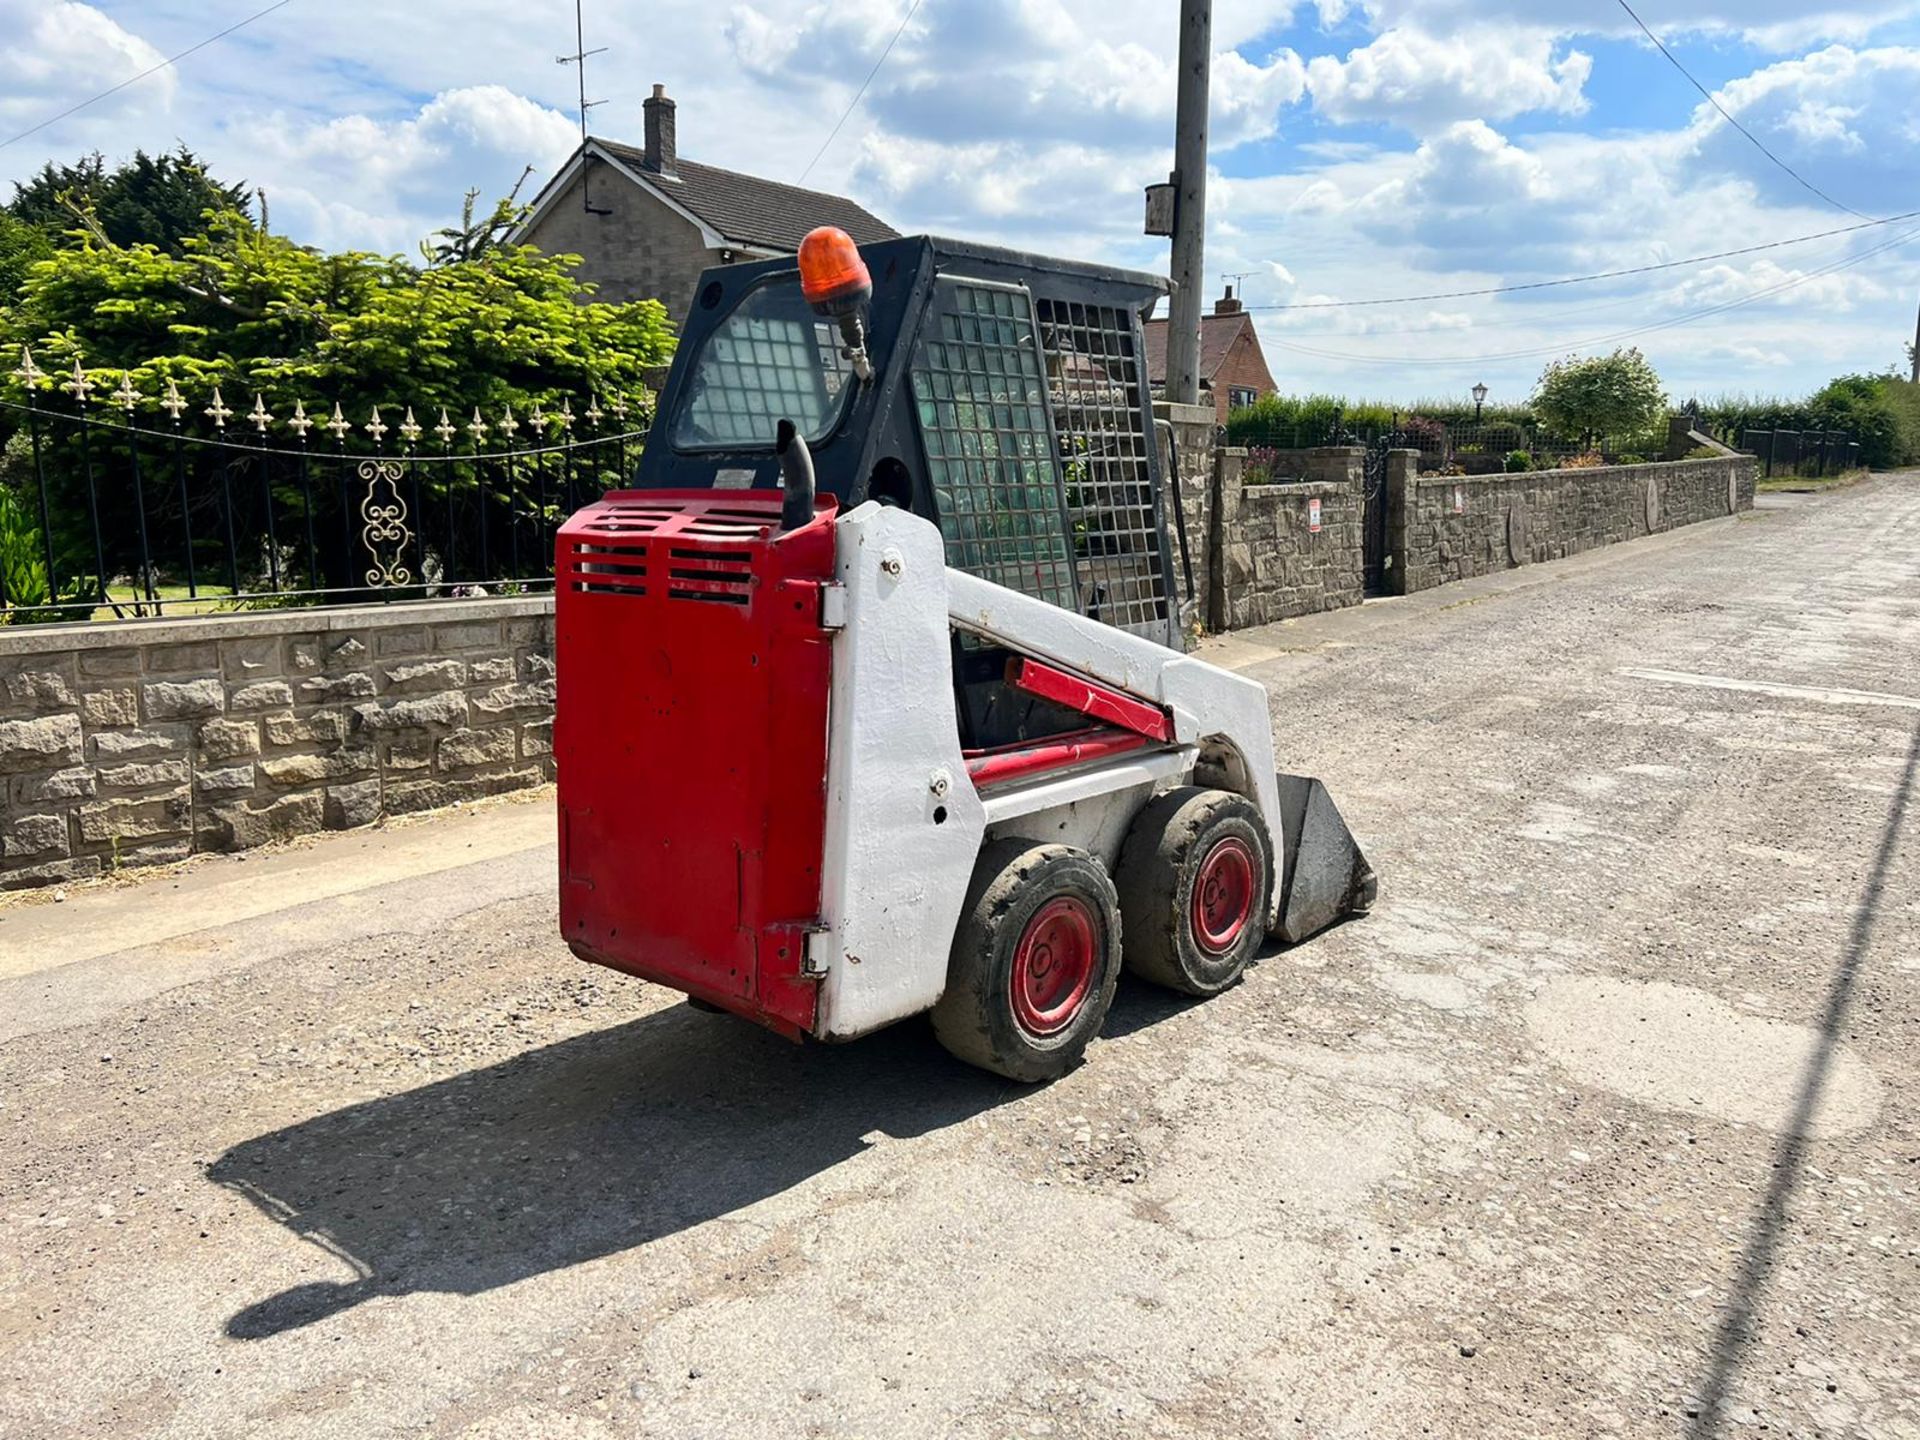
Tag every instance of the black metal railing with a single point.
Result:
(1810, 453)
(107, 513)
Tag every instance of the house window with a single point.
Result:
(1239, 397)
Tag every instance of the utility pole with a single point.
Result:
(1190, 208)
(1916, 350)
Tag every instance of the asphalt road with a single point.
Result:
(1601, 1125)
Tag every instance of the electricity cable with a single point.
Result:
(1564, 346)
(1727, 115)
(152, 70)
(827, 144)
(1587, 279)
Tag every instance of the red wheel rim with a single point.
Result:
(1053, 966)
(1223, 895)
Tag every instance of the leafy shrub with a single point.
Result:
(1262, 466)
(1423, 432)
(1518, 462)
(1630, 459)
(1617, 394)
(1704, 452)
(23, 565)
(1584, 460)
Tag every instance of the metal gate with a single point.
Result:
(1373, 514)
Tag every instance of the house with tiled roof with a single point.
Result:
(1233, 368)
(647, 222)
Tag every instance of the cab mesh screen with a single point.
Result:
(1093, 373)
(982, 402)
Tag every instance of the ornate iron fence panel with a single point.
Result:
(117, 504)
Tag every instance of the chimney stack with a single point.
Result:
(660, 136)
(1228, 304)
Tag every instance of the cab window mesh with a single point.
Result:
(1093, 376)
(982, 401)
(772, 359)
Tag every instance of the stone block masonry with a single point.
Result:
(146, 741)
(1275, 560)
(1445, 528)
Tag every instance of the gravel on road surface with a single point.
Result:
(1601, 1124)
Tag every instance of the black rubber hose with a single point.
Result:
(796, 473)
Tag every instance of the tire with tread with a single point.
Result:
(1162, 860)
(1014, 881)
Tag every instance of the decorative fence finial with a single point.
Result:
(477, 427)
(300, 424)
(259, 417)
(593, 413)
(29, 373)
(538, 421)
(376, 427)
(409, 427)
(508, 424)
(565, 418)
(339, 425)
(173, 402)
(219, 411)
(446, 429)
(126, 397)
(79, 386)
(619, 407)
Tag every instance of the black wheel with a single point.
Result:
(1034, 961)
(1196, 888)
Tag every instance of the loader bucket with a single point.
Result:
(1323, 876)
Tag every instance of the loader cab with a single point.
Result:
(1008, 404)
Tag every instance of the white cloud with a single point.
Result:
(1413, 78)
(57, 52)
(1846, 120)
(359, 181)
(1777, 24)
(1035, 122)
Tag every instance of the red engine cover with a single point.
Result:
(691, 736)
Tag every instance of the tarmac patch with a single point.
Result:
(1685, 1050)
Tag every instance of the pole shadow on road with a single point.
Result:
(591, 1146)
(1738, 1320)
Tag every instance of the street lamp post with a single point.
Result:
(1479, 402)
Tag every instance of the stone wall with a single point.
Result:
(1193, 432)
(1273, 564)
(1445, 528)
(145, 741)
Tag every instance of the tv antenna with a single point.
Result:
(1237, 283)
(578, 59)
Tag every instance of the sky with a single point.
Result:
(1361, 149)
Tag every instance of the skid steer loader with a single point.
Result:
(873, 698)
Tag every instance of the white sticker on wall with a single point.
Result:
(1459, 499)
(1313, 516)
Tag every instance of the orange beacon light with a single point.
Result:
(833, 277)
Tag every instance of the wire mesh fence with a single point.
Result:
(118, 505)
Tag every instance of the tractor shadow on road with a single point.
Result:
(592, 1146)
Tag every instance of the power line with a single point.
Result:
(1726, 115)
(1589, 279)
(1560, 347)
(845, 115)
(154, 70)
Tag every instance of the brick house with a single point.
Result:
(1233, 369)
(648, 222)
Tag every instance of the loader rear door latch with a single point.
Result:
(833, 607)
(814, 958)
